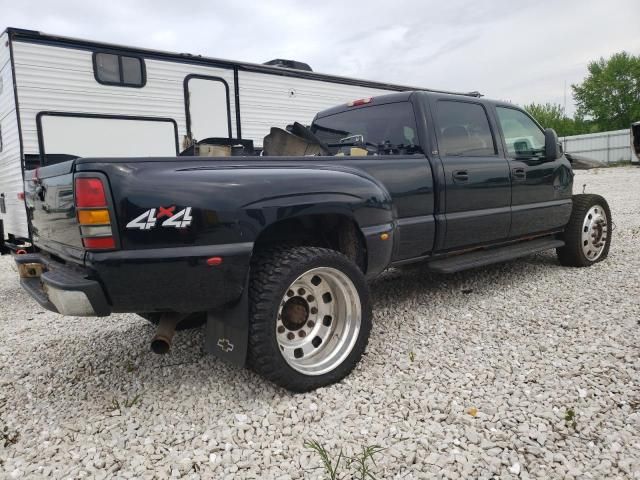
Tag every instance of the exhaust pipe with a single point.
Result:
(161, 342)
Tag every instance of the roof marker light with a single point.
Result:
(362, 101)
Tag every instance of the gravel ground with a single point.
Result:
(520, 370)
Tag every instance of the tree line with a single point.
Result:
(607, 99)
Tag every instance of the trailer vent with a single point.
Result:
(283, 63)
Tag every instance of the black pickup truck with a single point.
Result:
(274, 251)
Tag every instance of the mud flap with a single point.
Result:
(227, 331)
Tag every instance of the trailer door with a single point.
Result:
(207, 107)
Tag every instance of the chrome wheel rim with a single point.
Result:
(595, 232)
(318, 321)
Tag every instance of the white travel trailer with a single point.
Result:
(62, 98)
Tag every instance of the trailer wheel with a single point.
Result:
(587, 236)
(310, 316)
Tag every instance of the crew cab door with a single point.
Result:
(477, 184)
(540, 189)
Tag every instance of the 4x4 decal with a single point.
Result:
(173, 219)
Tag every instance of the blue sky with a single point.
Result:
(521, 51)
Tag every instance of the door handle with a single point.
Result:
(460, 176)
(519, 173)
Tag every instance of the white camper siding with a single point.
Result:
(61, 79)
(275, 101)
(606, 147)
(15, 218)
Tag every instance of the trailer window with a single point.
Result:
(119, 70)
(64, 135)
(391, 122)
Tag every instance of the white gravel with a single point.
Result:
(524, 343)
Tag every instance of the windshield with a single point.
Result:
(392, 122)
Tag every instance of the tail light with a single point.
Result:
(93, 214)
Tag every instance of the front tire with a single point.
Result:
(587, 236)
(310, 316)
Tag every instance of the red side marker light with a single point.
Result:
(214, 261)
(20, 195)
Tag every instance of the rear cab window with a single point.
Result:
(393, 124)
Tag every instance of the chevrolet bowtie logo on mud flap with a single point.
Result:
(150, 218)
(225, 345)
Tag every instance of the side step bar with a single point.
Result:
(480, 258)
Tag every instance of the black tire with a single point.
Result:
(273, 271)
(572, 254)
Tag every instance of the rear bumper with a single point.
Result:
(138, 281)
(60, 288)
(172, 279)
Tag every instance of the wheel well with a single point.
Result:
(334, 231)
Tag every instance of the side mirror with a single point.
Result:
(552, 149)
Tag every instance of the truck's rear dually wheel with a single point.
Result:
(310, 316)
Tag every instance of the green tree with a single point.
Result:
(610, 94)
(551, 115)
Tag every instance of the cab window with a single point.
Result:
(463, 130)
(523, 136)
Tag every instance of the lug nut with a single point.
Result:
(314, 310)
(302, 333)
(310, 298)
(311, 324)
(281, 329)
(291, 336)
(301, 291)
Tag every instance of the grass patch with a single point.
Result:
(358, 467)
(127, 403)
(130, 367)
(570, 418)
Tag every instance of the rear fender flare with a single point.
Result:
(371, 209)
